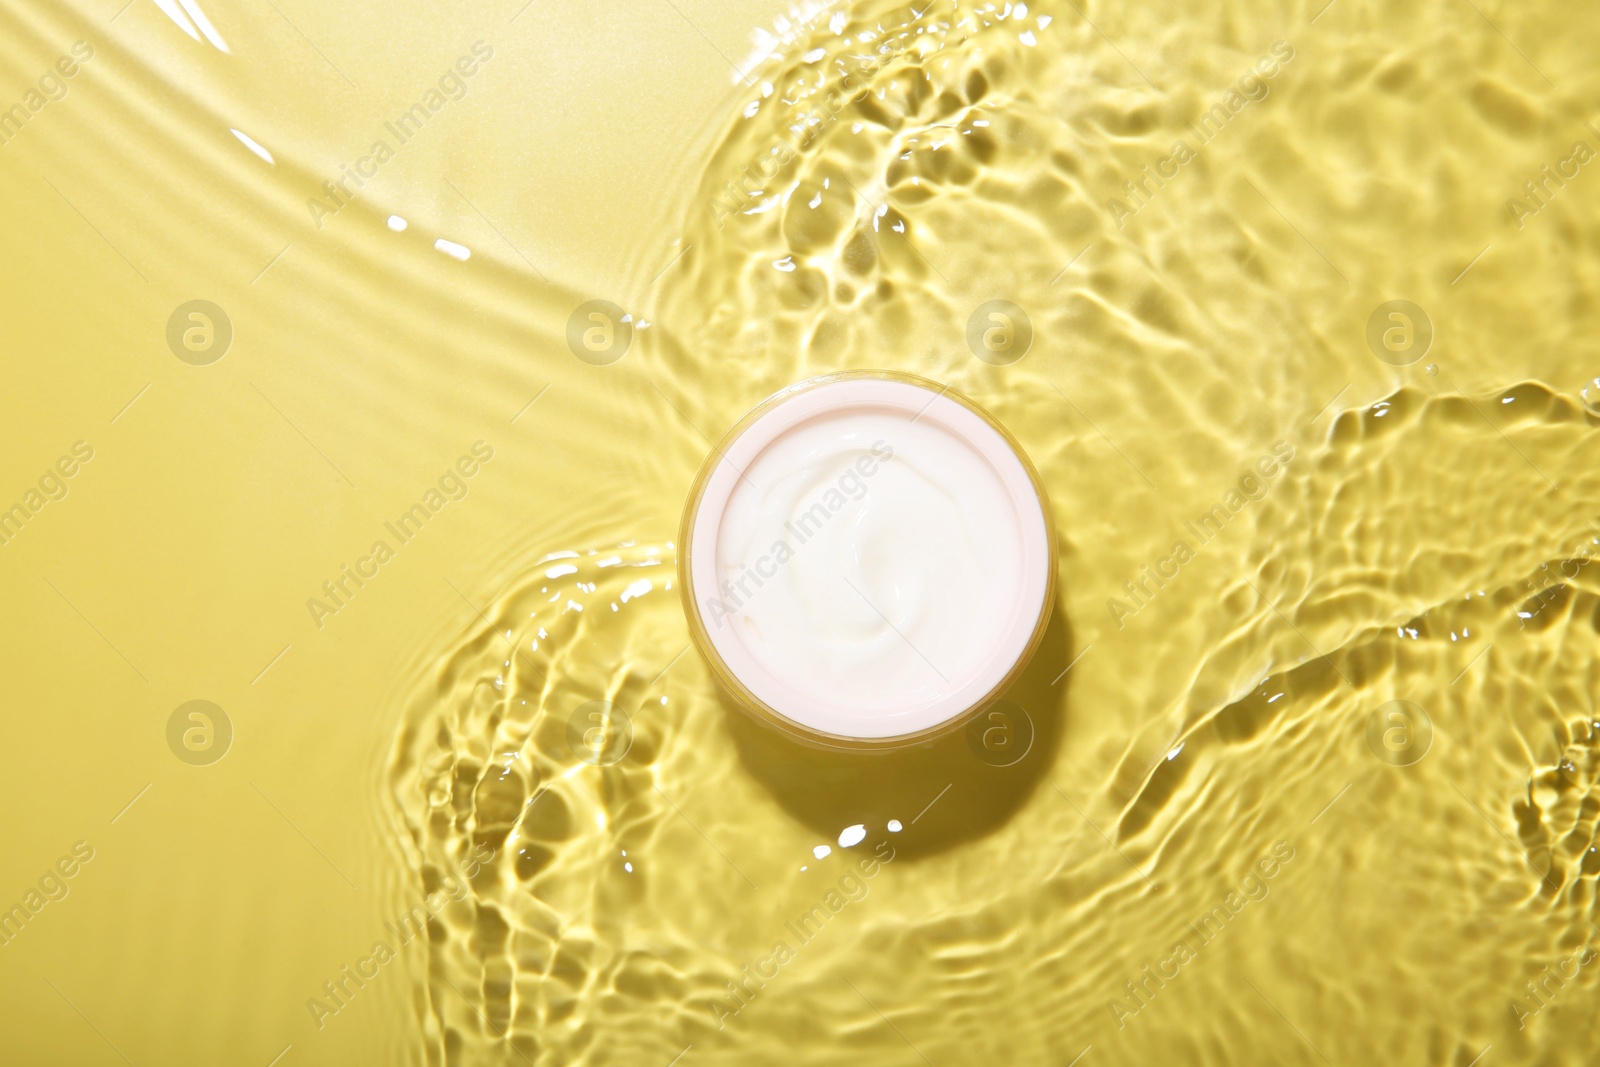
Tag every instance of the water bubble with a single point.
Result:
(1590, 395)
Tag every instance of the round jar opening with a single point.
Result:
(868, 558)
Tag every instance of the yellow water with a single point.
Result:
(1280, 511)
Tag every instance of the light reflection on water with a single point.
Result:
(1369, 671)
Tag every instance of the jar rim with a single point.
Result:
(737, 671)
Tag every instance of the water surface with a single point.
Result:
(1305, 771)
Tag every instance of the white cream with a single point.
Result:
(863, 558)
(868, 557)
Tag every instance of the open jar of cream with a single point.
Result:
(867, 560)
